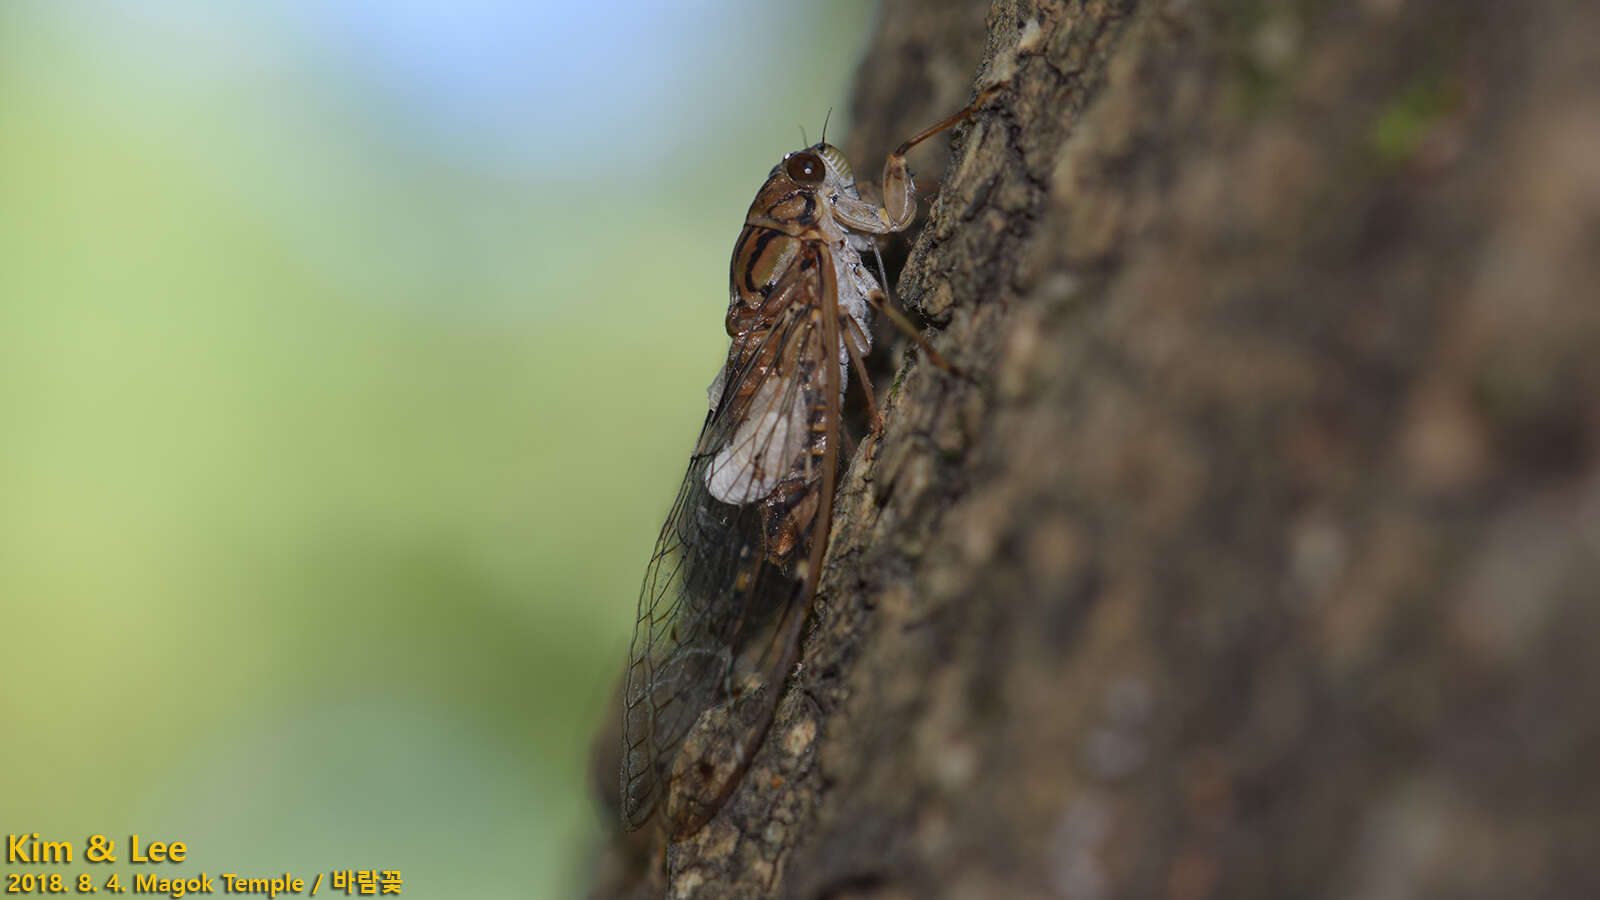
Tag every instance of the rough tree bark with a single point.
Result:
(1259, 556)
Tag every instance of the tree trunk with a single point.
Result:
(1258, 553)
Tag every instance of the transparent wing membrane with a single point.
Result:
(720, 598)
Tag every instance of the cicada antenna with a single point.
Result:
(825, 119)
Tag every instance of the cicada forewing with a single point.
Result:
(726, 587)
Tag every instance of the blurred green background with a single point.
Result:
(350, 354)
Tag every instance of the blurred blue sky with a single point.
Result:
(537, 89)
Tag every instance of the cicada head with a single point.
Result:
(817, 166)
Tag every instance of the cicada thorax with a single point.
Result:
(775, 295)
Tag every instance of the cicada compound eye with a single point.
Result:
(806, 168)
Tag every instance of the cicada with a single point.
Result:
(737, 563)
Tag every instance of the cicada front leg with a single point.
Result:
(899, 209)
(899, 188)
